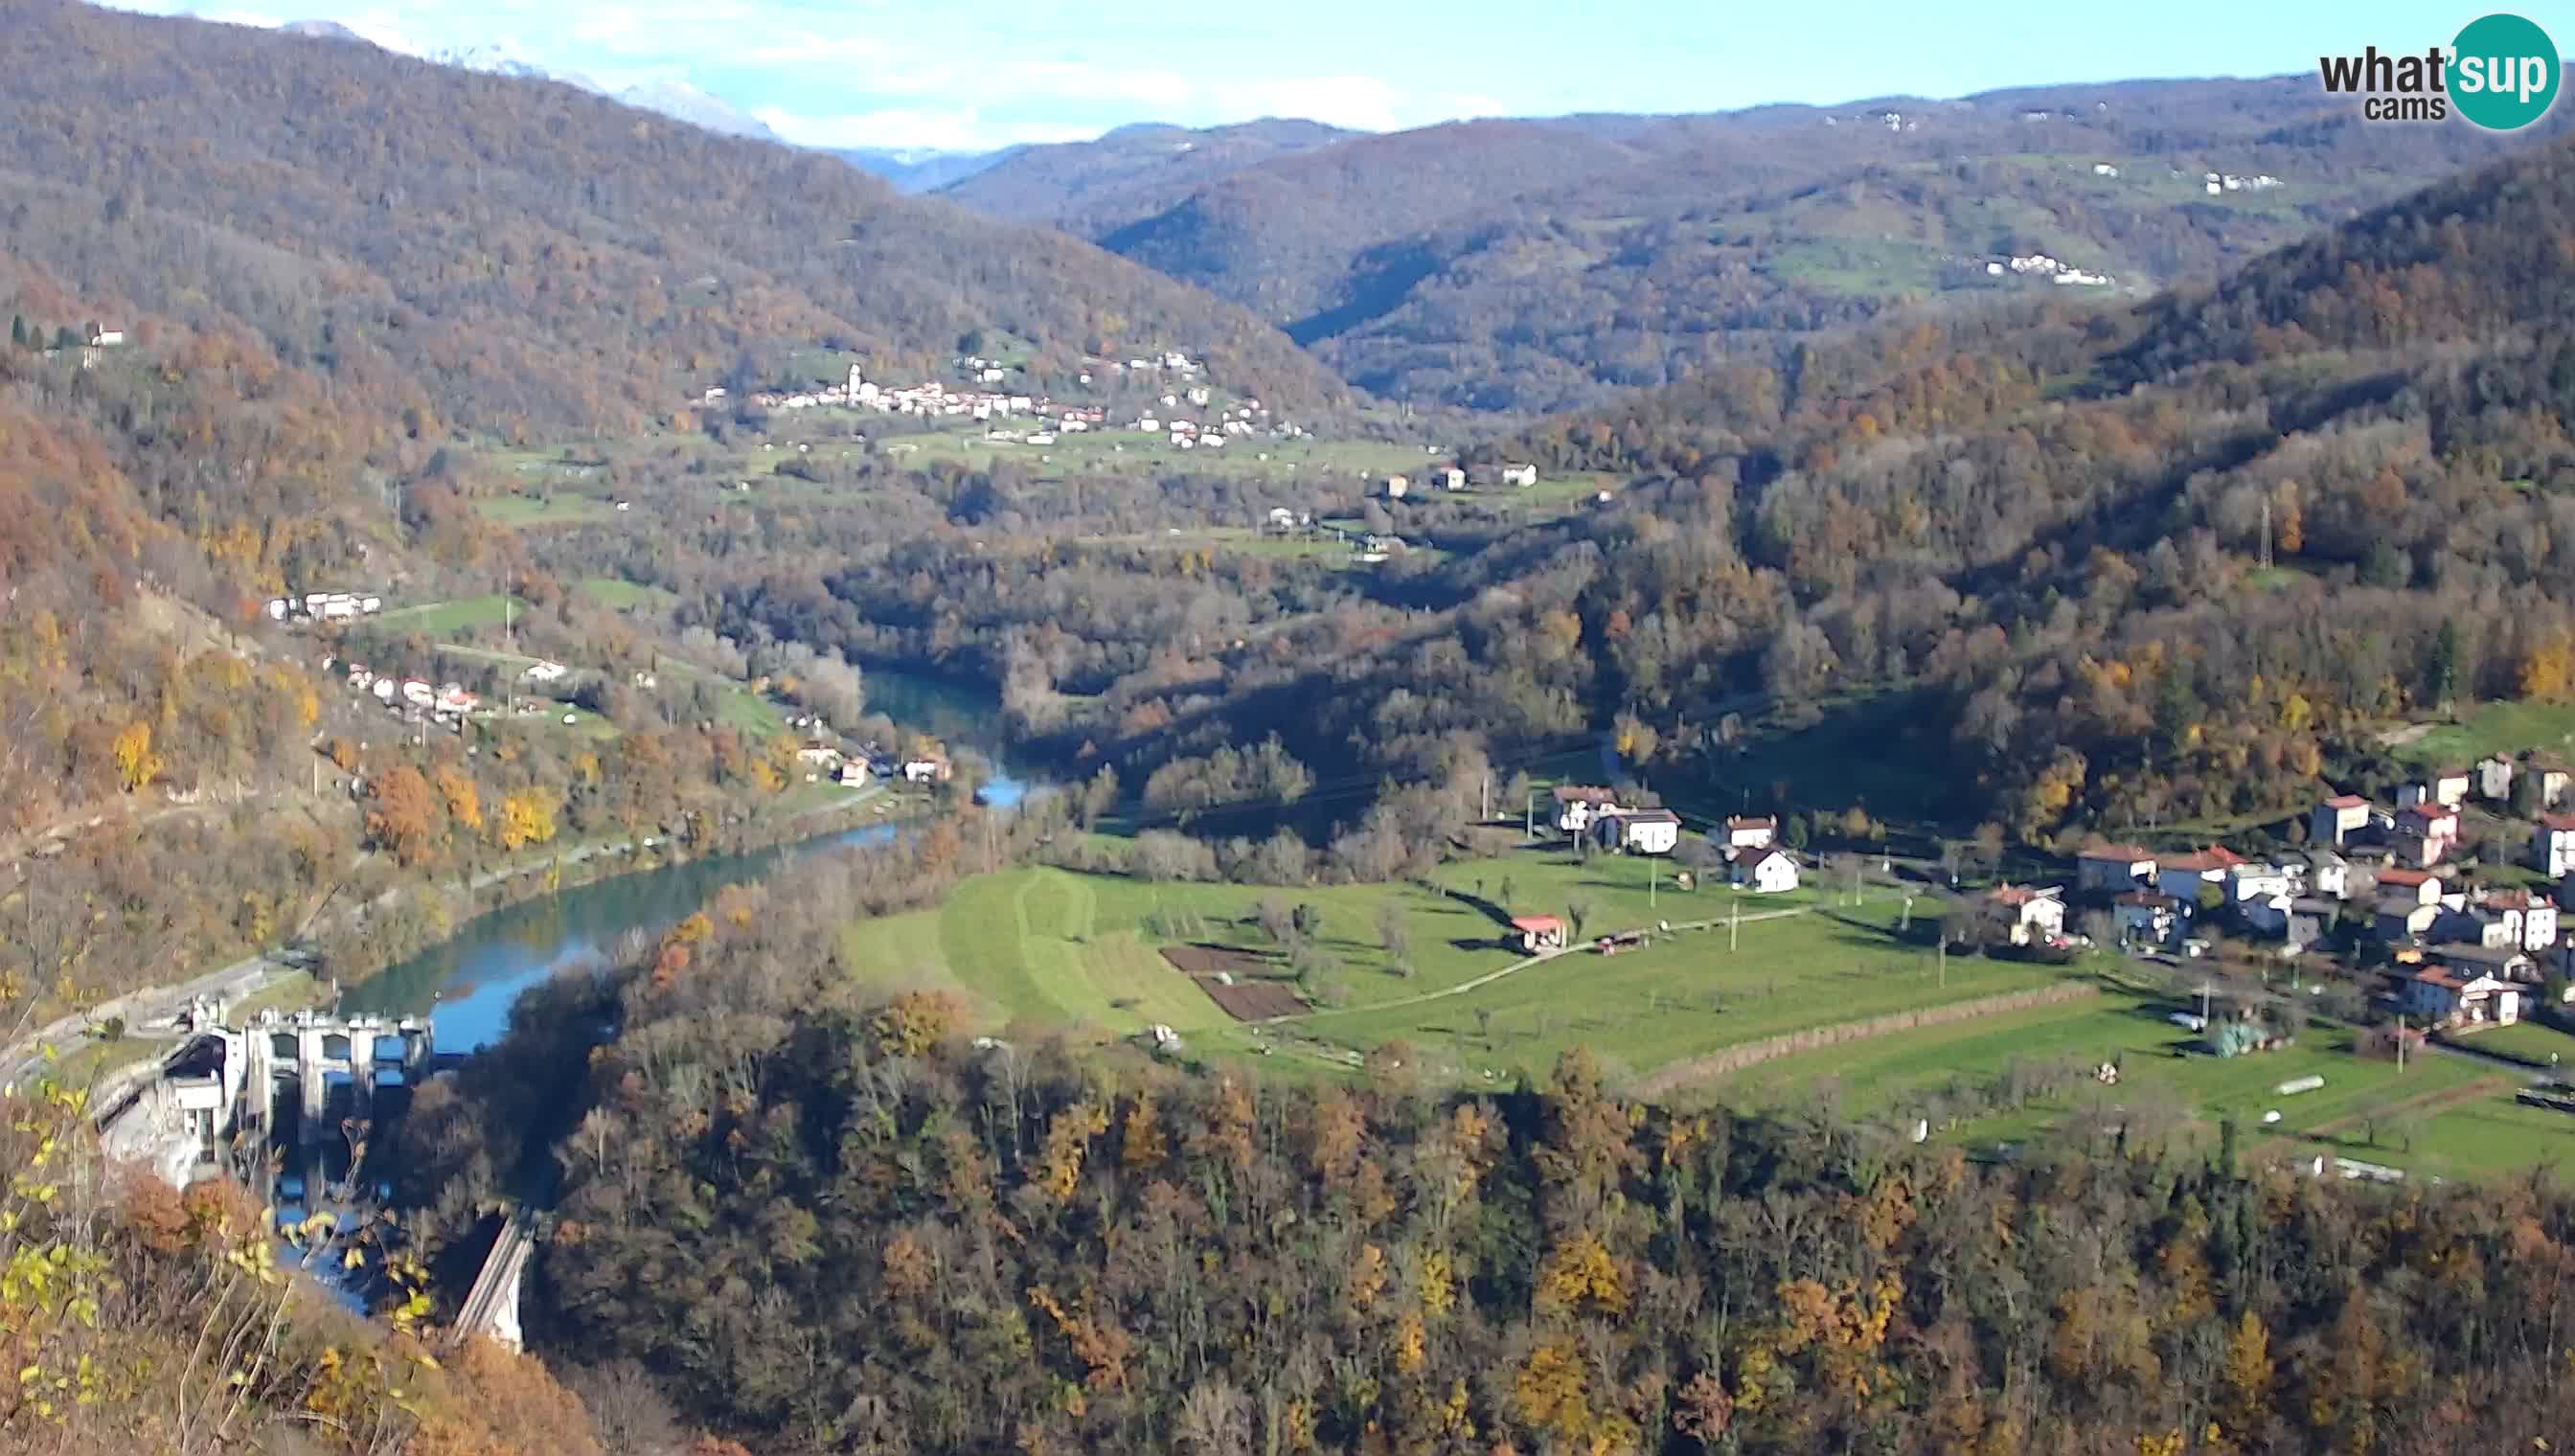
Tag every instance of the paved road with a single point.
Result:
(149, 1007)
(160, 1006)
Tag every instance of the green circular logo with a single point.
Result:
(2503, 72)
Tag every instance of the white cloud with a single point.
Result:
(861, 73)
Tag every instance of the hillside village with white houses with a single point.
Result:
(1186, 415)
(2382, 891)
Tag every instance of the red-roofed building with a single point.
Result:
(1750, 831)
(2444, 997)
(2417, 886)
(2022, 913)
(1540, 932)
(2426, 834)
(2110, 868)
(2338, 818)
(2182, 875)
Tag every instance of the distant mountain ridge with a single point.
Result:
(920, 169)
(620, 263)
(1546, 263)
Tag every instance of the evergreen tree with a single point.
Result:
(18, 330)
(2441, 673)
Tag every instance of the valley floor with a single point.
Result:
(1042, 949)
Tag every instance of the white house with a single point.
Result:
(2552, 846)
(1763, 870)
(2441, 997)
(546, 672)
(1448, 478)
(2494, 778)
(2328, 875)
(1520, 475)
(384, 689)
(418, 693)
(1396, 485)
(1750, 831)
(2025, 913)
(2111, 869)
(107, 339)
(1639, 832)
(2513, 918)
(924, 770)
(2256, 881)
(2447, 788)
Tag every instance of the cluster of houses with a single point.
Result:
(2457, 953)
(1460, 478)
(2039, 264)
(1747, 846)
(409, 697)
(324, 606)
(2217, 182)
(827, 754)
(1047, 418)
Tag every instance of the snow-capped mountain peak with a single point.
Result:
(680, 101)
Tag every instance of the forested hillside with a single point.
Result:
(2027, 539)
(1060, 183)
(513, 253)
(825, 1223)
(1541, 265)
(335, 274)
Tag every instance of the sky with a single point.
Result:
(936, 74)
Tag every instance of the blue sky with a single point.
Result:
(936, 73)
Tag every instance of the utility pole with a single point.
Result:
(2267, 530)
(2400, 1044)
(1734, 922)
(1649, 883)
(1484, 816)
(1945, 957)
(1528, 816)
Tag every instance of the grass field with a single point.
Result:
(620, 596)
(2483, 1136)
(462, 614)
(2495, 728)
(2360, 1111)
(1066, 949)
(559, 509)
(1128, 453)
(2522, 1041)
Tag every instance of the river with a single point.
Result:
(468, 982)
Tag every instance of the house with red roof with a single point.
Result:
(2338, 820)
(2112, 869)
